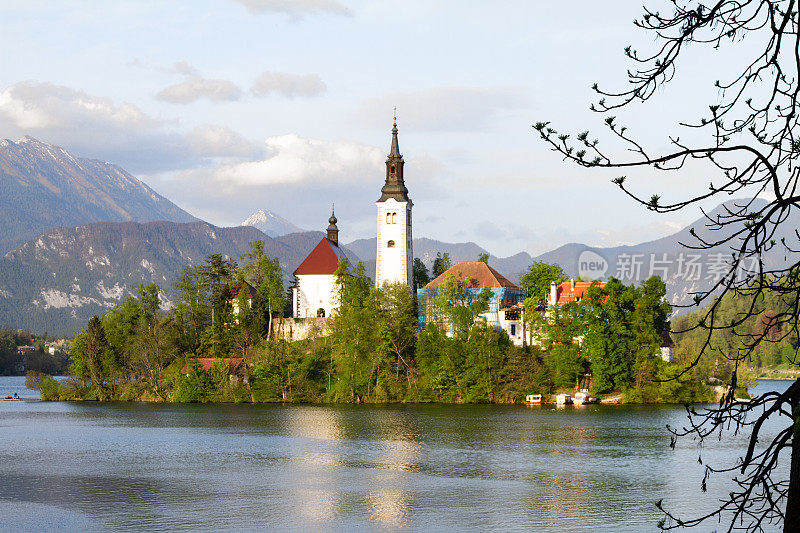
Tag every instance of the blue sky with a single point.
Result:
(229, 106)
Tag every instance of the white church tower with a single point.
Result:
(395, 254)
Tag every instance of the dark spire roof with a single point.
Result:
(333, 230)
(395, 186)
(395, 150)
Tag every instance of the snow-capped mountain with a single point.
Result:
(43, 186)
(270, 223)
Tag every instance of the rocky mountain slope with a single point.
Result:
(57, 281)
(43, 186)
(270, 223)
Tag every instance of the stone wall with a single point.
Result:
(297, 329)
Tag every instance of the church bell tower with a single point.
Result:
(395, 254)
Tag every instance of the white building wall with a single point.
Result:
(314, 291)
(393, 264)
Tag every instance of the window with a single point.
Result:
(320, 313)
(394, 218)
(392, 170)
(390, 244)
(388, 218)
(513, 329)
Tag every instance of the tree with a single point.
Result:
(192, 310)
(152, 347)
(537, 279)
(420, 273)
(483, 258)
(751, 149)
(441, 264)
(264, 273)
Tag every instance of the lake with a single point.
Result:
(133, 466)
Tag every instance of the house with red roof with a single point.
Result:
(314, 290)
(569, 291)
(505, 303)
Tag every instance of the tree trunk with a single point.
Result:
(791, 522)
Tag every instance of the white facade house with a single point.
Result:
(394, 251)
(314, 291)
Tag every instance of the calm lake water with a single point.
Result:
(132, 467)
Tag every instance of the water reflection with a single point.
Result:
(81, 466)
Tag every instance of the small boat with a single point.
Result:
(533, 398)
(580, 398)
(563, 399)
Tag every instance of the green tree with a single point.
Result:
(537, 279)
(353, 335)
(264, 273)
(420, 273)
(483, 258)
(441, 264)
(192, 309)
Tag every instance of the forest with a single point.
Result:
(372, 350)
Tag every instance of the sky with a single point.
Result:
(230, 106)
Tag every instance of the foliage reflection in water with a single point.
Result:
(150, 466)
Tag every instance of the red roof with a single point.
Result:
(480, 275)
(324, 259)
(207, 362)
(235, 289)
(565, 293)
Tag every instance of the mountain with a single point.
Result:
(57, 281)
(685, 271)
(270, 223)
(43, 186)
(426, 249)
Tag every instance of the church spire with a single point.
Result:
(395, 150)
(333, 230)
(394, 187)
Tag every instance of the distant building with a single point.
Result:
(569, 291)
(666, 347)
(505, 304)
(251, 295)
(314, 291)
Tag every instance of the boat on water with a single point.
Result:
(533, 399)
(563, 399)
(583, 398)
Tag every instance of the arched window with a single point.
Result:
(394, 218)
(390, 244)
(320, 313)
(388, 218)
(392, 170)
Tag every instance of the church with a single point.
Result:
(314, 291)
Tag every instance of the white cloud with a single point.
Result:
(219, 141)
(445, 108)
(194, 88)
(33, 105)
(295, 7)
(294, 160)
(286, 84)
(96, 127)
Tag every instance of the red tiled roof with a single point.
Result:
(324, 259)
(207, 362)
(234, 291)
(565, 293)
(480, 275)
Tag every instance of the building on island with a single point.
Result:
(505, 303)
(313, 290)
(394, 257)
(569, 291)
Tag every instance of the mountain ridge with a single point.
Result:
(43, 186)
